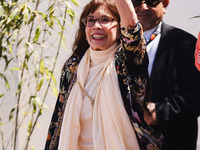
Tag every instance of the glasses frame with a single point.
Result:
(84, 20)
(151, 3)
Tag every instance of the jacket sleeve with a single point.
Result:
(134, 47)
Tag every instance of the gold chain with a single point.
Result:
(84, 91)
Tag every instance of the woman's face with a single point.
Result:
(101, 37)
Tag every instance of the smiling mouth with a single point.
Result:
(97, 37)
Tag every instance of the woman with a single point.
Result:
(197, 53)
(104, 84)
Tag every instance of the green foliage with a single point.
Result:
(195, 17)
(28, 29)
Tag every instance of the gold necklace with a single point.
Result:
(84, 91)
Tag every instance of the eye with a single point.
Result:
(90, 19)
(105, 19)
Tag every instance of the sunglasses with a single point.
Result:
(103, 21)
(151, 3)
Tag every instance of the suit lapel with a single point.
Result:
(161, 53)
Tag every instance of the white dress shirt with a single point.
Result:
(153, 45)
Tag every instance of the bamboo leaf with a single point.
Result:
(41, 111)
(42, 67)
(9, 47)
(71, 14)
(54, 79)
(32, 18)
(37, 34)
(34, 106)
(45, 18)
(11, 114)
(47, 72)
(1, 49)
(7, 63)
(36, 14)
(36, 73)
(38, 125)
(19, 42)
(63, 43)
(25, 65)
(51, 15)
(31, 99)
(26, 14)
(40, 84)
(195, 17)
(59, 23)
(75, 2)
(19, 87)
(6, 81)
(27, 55)
(2, 124)
(7, 84)
(29, 127)
(55, 91)
(16, 69)
(1, 95)
(14, 36)
(12, 15)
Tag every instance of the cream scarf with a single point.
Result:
(111, 127)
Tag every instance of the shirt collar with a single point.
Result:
(148, 33)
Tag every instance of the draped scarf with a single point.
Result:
(111, 127)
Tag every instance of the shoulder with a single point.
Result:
(175, 32)
(73, 59)
(70, 67)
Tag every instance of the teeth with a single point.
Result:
(98, 36)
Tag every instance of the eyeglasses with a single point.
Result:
(103, 21)
(151, 3)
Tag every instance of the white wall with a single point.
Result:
(178, 14)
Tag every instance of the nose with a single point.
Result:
(97, 24)
(143, 5)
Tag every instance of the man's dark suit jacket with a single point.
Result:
(176, 88)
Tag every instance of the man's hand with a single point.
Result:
(151, 119)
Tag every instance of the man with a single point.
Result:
(175, 80)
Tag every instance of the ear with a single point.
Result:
(165, 3)
(164, 10)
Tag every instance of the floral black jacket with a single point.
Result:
(131, 64)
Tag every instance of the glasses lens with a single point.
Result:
(136, 3)
(152, 3)
(105, 21)
(90, 21)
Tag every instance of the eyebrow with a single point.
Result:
(101, 16)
